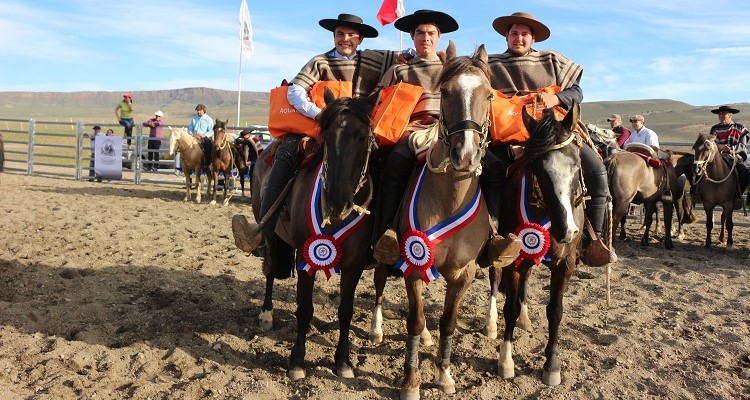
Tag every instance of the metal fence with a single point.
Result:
(46, 148)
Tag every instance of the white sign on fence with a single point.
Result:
(108, 157)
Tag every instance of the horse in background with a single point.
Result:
(246, 156)
(632, 180)
(325, 222)
(191, 159)
(223, 158)
(716, 182)
(605, 140)
(546, 213)
(446, 188)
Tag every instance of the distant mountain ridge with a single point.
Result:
(672, 120)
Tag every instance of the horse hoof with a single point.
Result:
(551, 378)
(296, 374)
(376, 338)
(490, 333)
(346, 372)
(425, 339)
(410, 394)
(524, 323)
(506, 373)
(213, 202)
(265, 320)
(448, 389)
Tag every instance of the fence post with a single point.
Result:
(138, 152)
(79, 151)
(30, 159)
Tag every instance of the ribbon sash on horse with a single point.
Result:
(535, 240)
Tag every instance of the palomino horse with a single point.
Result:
(325, 220)
(191, 159)
(223, 157)
(546, 212)
(444, 223)
(716, 182)
(632, 180)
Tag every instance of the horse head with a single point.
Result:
(174, 136)
(465, 96)
(347, 142)
(552, 157)
(705, 150)
(220, 129)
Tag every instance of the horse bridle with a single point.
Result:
(702, 165)
(537, 194)
(467, 125)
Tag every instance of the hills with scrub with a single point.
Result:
(672, 120)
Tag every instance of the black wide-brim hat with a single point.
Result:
(350, 21)
(726, 109)
(503, 24)
(443, 21)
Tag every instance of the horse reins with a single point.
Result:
(703, 164)
(466, 125)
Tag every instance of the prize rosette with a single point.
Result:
(416, 251)
(322, 252)
(534, 242)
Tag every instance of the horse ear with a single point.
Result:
(328, 96)
(450, 52)
(571, 118)
(481, 54)
(528, 121)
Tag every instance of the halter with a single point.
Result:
(702, 165)
(466, 125)
(538, 197)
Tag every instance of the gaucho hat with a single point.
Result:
(502, 24)
(443, 21)
(350, 21)
(726, 109)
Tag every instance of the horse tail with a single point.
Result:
(688, 217)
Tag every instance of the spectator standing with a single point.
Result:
(615, 121)
(156, 128)
(92, 136)
(124, 114)
(641, 134)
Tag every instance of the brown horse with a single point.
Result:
(446, 190)
(632, 180)
(325, 220)
(223, 157)
(191, 159)
(550, 194)
(716, 182)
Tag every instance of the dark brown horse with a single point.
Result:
(547, 197)
(325, 220)
(632, 180)
(223, 160)
(446, 187)
(716, 182)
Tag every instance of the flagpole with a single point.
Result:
(239, 87)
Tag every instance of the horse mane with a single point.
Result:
(547, 133)
(361, 107)
(459, 65)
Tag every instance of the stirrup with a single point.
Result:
(503, 250)
(247, 236)
(386, 251)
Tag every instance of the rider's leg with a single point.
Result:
(597, 184)
(283, 169)
(495, 164)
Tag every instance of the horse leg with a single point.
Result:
(265, 319)
(188, 183)
(348, 286)
(558, 285)
(709, 223)
(304, 314)
(723, 226)
(650, 209)
(227, 173)
(376, 325)
(490, 324)
(198, 184)
(415, 325)
(455, 291)
(668, 209)
(730, 226)
(512, 308)
(524, 322)
(215, 178)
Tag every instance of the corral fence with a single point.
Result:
(62, 149)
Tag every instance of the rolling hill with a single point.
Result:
(672, 120)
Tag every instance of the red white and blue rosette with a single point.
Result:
(322, 250)
(418, 247)
(535, 239)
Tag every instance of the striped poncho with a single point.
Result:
(420, 72)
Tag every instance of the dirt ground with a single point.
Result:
(112, 290)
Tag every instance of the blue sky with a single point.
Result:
(694, 51)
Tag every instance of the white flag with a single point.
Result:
(246, 30)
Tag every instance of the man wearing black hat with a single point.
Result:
(731, 138)
(425, 28)
(522, 68)
(342, 63)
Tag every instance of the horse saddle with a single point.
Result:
(646, 152)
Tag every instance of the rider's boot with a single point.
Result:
(208, 153)
(597, 212)
(395, 178)
(248, 235)
(501, 251)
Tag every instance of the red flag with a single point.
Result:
(390, 11)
